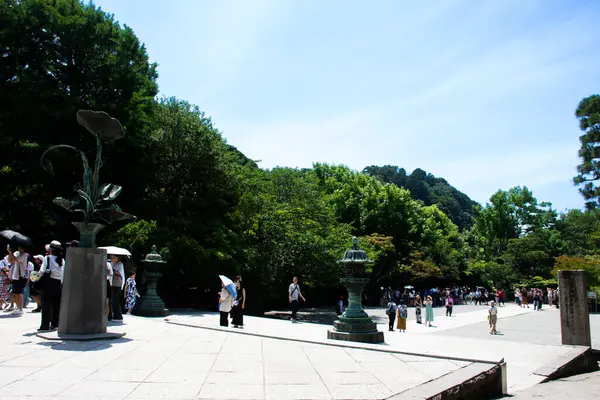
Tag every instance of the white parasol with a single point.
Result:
(116, 251)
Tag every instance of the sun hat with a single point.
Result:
(55, 244)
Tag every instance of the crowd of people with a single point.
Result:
(40, 277)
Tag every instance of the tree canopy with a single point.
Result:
(211, 210)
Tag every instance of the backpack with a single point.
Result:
(390, 308)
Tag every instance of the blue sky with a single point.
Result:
(481, 93)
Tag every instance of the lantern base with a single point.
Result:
(355, 330)
(370, 337)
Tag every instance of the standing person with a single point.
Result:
(117, 286)
(33, 289)
(402, 316)
(493, 317)
(536, 299)
(239, 304)
(418, 305)
(4, 282)
(524, 297)
(27, 288)
(501, 297)
(294, 295)
(225, 304)
(518, 297)
(428, 311)
(340, 306)
(391, 313)
(449, 305)
(131, 292)
(18, 259)
(53, 265)
(109, 279)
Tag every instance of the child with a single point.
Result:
(402, 315)
(130, 292)
(391, 312)
(4, 281)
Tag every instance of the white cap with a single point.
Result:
(55, 244)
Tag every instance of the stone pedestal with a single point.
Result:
(82, 307)
(151, 305)
(574, 313)
(355, 325)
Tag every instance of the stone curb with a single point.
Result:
(329, 343)
(472, 382)
(578, 360)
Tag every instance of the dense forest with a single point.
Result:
(211, 210)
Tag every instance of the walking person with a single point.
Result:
(52, 270)
(131, 292)
(294, 295)
(402, 316)
(493, 317)
(118, 282)
(428, 311)
(418, 305)
(239, 304)
(449, 305)
(225, 305)
(391, 313)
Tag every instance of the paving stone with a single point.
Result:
(232, 391)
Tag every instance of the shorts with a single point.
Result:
(18, 286)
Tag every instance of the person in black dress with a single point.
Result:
(239, 304)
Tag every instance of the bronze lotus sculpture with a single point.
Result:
(94, 201)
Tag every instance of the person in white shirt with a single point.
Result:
(225, 305)
(18, 259)
(493, 317)
(294, 295)
(109, 279)
(52, 269)
(118, 281)
(27, 288)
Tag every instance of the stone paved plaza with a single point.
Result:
(159, 360)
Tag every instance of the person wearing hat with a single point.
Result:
(54, 265)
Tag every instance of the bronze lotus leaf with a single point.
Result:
(101, 124)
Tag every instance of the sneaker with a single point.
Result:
(17, 312)
(37, 310)
(9, 309)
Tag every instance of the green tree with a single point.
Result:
(588, 172)
(58, 57)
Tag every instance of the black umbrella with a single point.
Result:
(17, 238)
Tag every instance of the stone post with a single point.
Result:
(574, 313)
